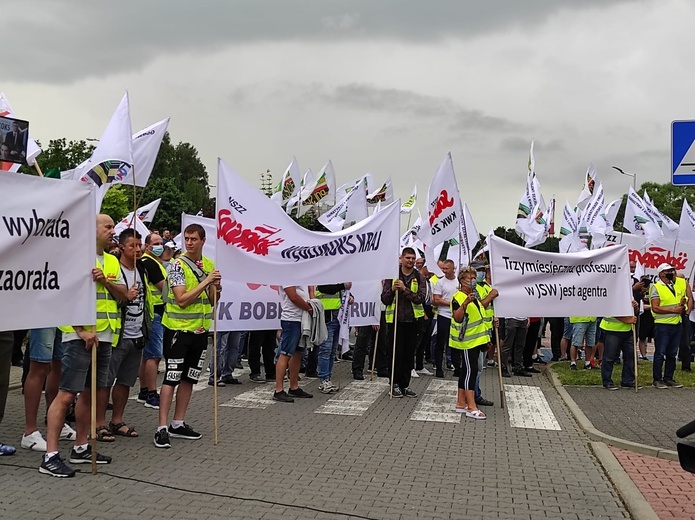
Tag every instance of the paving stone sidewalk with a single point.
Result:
(649, 416)
(286, 461)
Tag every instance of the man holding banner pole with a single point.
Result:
(78, 340)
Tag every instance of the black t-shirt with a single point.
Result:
(154, 276)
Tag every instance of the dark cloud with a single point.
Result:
(60, 41)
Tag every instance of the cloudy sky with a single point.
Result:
(386, 86)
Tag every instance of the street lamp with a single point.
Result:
(633, 175)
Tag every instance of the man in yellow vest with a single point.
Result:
(78, 340)
(668, 299)
(410, 286)
(191, 282)
(618, 340)
(152, 353)
(331, 298)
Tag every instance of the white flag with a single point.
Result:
(33, 149)
(569, 231)
(668, 227)
(145, 145)
(469, 234)
(531, 207)
(409, 204)
(129, 222)
(594, 218)
(443, 206)
(541, 227)
(308, 178)
(587, 192)
(410, 237)
(637, 220)
(384, 194)
(686, 230)
(322, 190)
(288, 184)
(352, 208)
(611, 212)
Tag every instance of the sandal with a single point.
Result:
(104, 435)
(476, 414)
(116, 430)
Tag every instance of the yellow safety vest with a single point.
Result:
(199, 313)
(108, 315)
(154, 295)
(433, 281)
(483, 291)
(582, 319)
(612, 324)
(331, 302)
(668, 300)
(418, 310)
(476, 332)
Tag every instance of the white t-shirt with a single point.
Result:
(132, 328)
(446, 289)
(290, 312)
(105, 335)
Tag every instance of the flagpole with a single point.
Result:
(499, 364)
(395, 330)
(38, 168)
(93, 393)
(214, 362)
(634, 345)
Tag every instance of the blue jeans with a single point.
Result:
(667, 339)
(325, 359)
(615, 343)
(154, 346)
(227, 351)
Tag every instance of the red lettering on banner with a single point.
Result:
(656, 256)
(254, 286)
(443, 202)
(256, 241)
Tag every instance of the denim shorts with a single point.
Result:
(45, 345)
(289, 338)
(125, 363)
(153, 347)
(584, 334)
(567, 330)
(77, 360)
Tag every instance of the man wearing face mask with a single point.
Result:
(152, 354)
(668, 301)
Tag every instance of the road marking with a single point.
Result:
(355, 398)
(528, 408)
(438, 402)
(260, 397)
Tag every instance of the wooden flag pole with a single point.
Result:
(38, 168)
(93, 393)
(634, 349)
(393, 355)
(214, 360)
(499, 365)
(376, 343)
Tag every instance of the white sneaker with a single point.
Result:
(67, 433)
(414, 374)
(34, 441)
(327, 387)
(424, 372)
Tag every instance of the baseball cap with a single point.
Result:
(665, 267)
(478, 265)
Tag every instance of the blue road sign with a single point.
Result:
(683, 153)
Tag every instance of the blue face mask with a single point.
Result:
(157, 250)
(480, 276)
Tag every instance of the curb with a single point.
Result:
(631, 496)
(596, 435)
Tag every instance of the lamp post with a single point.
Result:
(633, 175)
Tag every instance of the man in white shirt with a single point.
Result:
(441, 298)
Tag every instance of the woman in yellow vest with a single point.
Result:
(468, 333)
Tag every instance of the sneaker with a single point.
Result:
(86, 457)
(67, 433)
(56, 467)
(539, 360)
(414, 374)
(298, 392)
(220, 383)
(481, 401)
(161, 438)
(358, 376)
(587, 366)
(449, 366)
(257, 378)
(439, 373)
(184, 432)
(397, 392)
(408, 392)
(424, 372)
(573, 366)
(491, 363)
(660, 385)
(505, 373)
(326, 387)
(630, 386)
(230, 380)
(33, 441)
(282, 397)
(610, 386)
(521, 373)
(532, 370)
(672, 383)
(142, 395)
(152, 401)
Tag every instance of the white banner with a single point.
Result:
(536, 283)
(366, 307)
(47, 252)
(266, 246)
